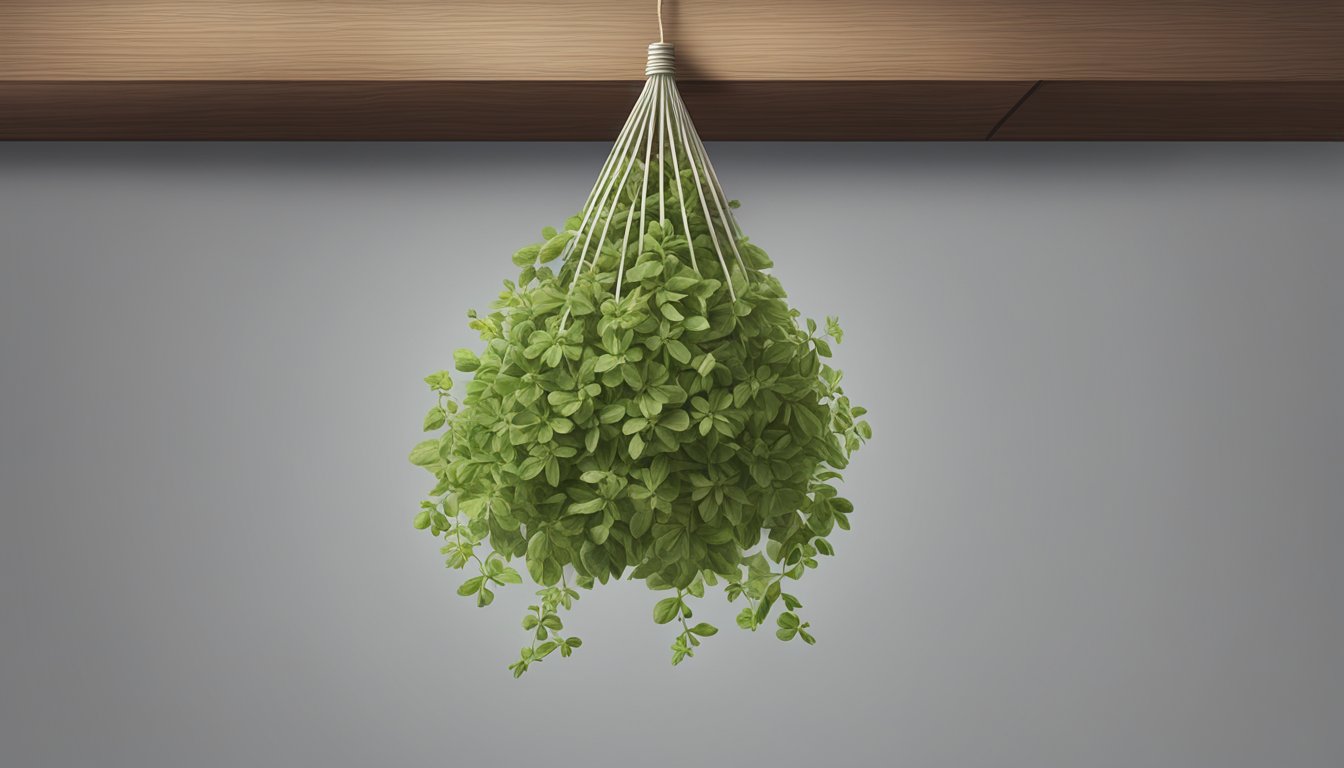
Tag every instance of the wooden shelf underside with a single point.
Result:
(749, 70)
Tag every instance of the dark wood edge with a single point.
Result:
(761, 110)
(1122, 110)
(492, 110)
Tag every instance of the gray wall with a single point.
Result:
(1099, 524)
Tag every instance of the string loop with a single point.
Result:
(660, 59)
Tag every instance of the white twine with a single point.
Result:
(659, 104)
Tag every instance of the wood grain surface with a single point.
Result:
(716, 39)
(751, 69)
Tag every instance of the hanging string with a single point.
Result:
(659, 108)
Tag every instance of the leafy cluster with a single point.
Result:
(683, 429)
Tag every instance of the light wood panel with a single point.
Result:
(716, 39)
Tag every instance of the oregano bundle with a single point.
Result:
(647, 409)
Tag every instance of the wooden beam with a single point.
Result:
(501, 111)
(750, 69)
(1204, 111)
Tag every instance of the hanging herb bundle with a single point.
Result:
(646, 405)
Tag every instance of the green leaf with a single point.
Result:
(639, 523)
(538, 546)
(580, 305)
(762, 610)
(678, 351)
(704, 630)
(695, 323)
(586, 507)
(645, 270)
(435, 418)
(531, 467)
(470, 586)
(526, 255)
(706, 365)
(833, 329)
(666, 610)
(425, 453)
(677, 420)
(465, 360)
(440, 382)
(552, 248)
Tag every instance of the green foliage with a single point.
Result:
(674, 431)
